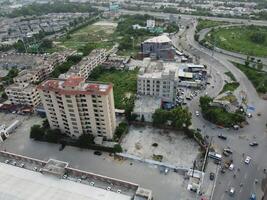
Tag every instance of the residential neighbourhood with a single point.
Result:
(133, 100)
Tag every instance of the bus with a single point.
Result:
(215, 156)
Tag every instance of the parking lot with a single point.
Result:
(175, 147)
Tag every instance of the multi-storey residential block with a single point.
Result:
(78, 107)
(23, 94)
(88, 63)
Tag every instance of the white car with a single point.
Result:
(247, 160)
(197, 113)
(232, 191)
(108, 188)
(231, 167)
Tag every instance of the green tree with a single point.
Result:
(181, 118)
(46, 44)
(37, 132)
(117, 148)
(85, 140)
(20, 47)
(52, 135)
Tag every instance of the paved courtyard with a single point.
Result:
(175, 147)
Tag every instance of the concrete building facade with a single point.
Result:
(158, 48)
(23, 94)
(78, 107)
(88, 63)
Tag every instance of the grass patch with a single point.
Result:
(101, 35)
(239, 39)
(230, 87)
(124, 83)
(258, 78)
(230, 75)
(205, 23)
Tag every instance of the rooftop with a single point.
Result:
(26, 178)
(158, 39)
(75, 85)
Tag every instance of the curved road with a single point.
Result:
(237, 140)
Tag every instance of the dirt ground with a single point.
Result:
(175, 147)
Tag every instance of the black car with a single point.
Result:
(98, 153)
(212, 175)
(217, 162)
(222, 137)
(253, 144)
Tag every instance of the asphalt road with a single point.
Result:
(239, 140)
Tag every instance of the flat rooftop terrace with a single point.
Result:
(24, 178)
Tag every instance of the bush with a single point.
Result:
(52, 136)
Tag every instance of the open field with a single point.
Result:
(205, 23)
(238, 39)
(99, 33)
(124, 83)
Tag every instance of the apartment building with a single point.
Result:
(78, 107)
(88, 63)
(161, 84)
(23, 94)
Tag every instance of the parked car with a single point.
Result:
(231, 167)
(212, 176)
(227, 150)
(197, 113)
(232, 191)
(166, 170)
(222, 137)
(247, 160)
(253, 144)
(98, 153)
(249, 115)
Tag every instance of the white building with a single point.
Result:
(23, 94)
(77, 107)
(150, 23)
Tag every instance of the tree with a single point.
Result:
(4, 95)
(20, 47)
(117, 148)
(52, 135)
(37, 132)
(181, 118)
(85, 140)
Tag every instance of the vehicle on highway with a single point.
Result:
(222, 137)
(98, 153)
(232, 191)
(212, 176)
(253, 144)
(247, 160)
